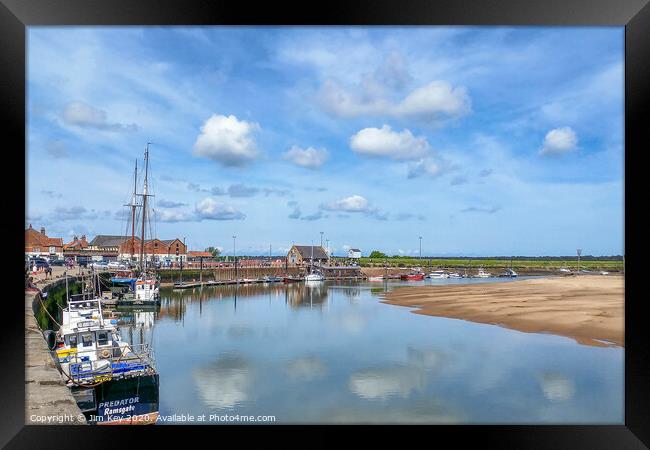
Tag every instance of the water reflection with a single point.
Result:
(380, 383)
(556, 387)
(224, 383)
(305, 368)
(333, 353)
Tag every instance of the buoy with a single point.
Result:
(106, 353)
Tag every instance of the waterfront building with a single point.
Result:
(301, 255)
(354, 253)
(126, 248)
(76, 244)
(195, 255)
(39, 244)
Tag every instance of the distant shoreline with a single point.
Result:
(586, 308)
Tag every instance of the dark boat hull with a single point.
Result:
(132, 401)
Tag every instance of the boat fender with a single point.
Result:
(50, 338)
(106, 353)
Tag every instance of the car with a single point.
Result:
(115, 265)
(39, 263)
(57, 262)
(98, 265)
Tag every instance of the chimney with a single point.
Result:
(83, 238)
(43, 230)
(75, 238)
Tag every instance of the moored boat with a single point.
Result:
(415, 275)
(112, 380)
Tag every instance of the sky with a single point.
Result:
(484, 141)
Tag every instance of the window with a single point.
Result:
(72, 341)
(86, 340)
(102, 338)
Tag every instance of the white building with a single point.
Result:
(354, 253)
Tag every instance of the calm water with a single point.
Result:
(333, 353)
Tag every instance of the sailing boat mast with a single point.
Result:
(143, 262)
(133, 206)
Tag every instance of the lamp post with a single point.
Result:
(579, 251)
(321, 239)
(234, 256)
(420, 247)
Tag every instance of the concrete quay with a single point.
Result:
(47, 398)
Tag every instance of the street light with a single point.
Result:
(234, 255)
(420, 247)
(579, 251)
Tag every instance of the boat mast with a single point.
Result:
(133, 206)
(143, 262)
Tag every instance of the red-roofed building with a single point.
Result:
(194, 255)
(76, 244)
(39, 244)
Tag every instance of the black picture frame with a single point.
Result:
(634, 15)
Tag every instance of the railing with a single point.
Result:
(108, 363)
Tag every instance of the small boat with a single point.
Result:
(604, 272)
(375, 278)
(508, 273)
(565, 270)
(290, 279)
(314, 277)
(483, 274)
(454, 275)
(437, 274)
(415, 275)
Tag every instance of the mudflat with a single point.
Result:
(587, 308)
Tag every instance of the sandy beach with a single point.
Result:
(588, 308)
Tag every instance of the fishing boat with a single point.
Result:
(437, 274)
(112, 380)
(483, 274)
(415, 275)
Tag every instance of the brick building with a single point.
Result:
(39, 244)
(301, 255)
(125, 248)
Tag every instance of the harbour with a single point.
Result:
(392, 357)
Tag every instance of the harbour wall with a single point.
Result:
(48, 400)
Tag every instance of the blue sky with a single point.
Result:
(482, 140)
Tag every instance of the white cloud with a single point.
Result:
(424, 166)
(172, 216)
(310, 158)
(84, 115)
(386, 142)
(559, 141)
(210, 209)
(436, 100)
(227, 140)
(354, 203)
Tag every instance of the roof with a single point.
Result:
(197, 254)
(355, 250)
(306, 251)
(42, 239)
(105, 240)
